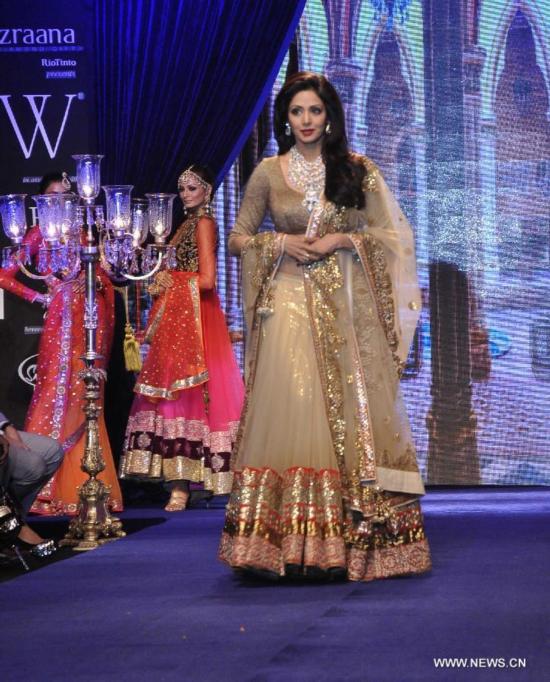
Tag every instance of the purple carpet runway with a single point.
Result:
(159, 606)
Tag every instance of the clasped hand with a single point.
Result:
(163, 281)
(78, 287)
(308, 250)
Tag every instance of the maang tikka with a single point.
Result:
(189, 175)
(65, 182)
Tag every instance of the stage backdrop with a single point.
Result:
(46, 114)
(152, 85)
(450, 98)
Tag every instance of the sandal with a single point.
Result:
(178, 501)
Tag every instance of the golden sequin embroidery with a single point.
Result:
(373, 260)
(370, 181)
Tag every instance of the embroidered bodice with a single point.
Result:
(185, 241)
(268, 192)
(196, 242)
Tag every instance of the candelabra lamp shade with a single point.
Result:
(12, 211)
(60, 230)
(140, 221)
(70, 223)
(118, 204)
(88, 177)
(50, 216)
(160, 215)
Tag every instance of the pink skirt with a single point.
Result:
(190, 438)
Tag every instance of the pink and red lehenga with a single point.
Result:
(56, 405)
(184, 419)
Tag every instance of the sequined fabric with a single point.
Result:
(278, 523)
(185, 241)
(173, 449)
(374, 264)
(175, 360)
(187, 430)
(323, 392)
(56, 405)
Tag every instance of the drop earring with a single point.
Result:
(288, 131)
(208, 209)
(328, 129)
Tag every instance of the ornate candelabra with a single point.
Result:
(76, 238)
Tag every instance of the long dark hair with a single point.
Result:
(48, 179)
(203, 172)
(344, 171)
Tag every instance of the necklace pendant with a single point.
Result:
(311, 199)
(307, 177)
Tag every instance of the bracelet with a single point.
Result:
(281, 237)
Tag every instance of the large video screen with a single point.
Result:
(455, 112)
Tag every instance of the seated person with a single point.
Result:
(27, 462)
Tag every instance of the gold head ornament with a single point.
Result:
(66, 182)
(189, 176)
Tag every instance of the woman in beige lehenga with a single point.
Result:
(326, 481)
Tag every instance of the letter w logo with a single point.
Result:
(37, 111)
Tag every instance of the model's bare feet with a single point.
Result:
(178, 501)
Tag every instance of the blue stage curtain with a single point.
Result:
(183, 80)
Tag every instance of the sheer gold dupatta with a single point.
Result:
(259, 260)
(384, 301)
(388, 252)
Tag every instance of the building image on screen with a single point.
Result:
(454, 108)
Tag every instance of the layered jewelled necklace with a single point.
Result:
(307, 177)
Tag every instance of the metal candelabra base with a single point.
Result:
(94, 526)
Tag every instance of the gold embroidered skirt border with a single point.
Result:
(150, 430)
(143, 464)
(278, 523)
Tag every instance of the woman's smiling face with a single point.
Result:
(307, 116)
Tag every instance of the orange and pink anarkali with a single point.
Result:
(189, 393)
(56, 405)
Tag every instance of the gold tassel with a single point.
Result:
(132, 356)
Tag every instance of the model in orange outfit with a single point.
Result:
(56, 405)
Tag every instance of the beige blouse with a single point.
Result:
(267, 191)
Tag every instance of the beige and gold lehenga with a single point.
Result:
(325, 473)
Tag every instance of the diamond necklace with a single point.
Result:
(307, 177)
